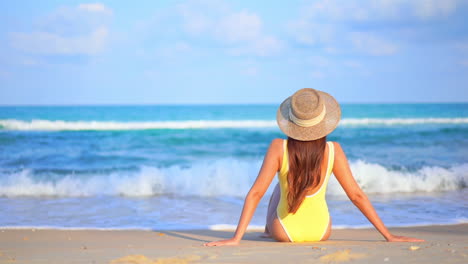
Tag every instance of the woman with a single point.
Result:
(298, 211)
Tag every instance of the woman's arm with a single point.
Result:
(358, 197)
(271, 164)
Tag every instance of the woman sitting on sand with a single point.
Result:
(297, 211)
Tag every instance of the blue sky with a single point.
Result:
(217, 52)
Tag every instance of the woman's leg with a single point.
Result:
(273, 225)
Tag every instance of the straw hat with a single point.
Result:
(308, 114)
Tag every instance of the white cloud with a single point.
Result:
(80, 30)
(326, 24)
(307, 32)
(199, 16)
(244, 32)
(364, 10)
(242, 26)
(330, 24)
(194, 23)
(338, 10)
(49, 43)
(266, 45)
(372, 44)
(95, 7)
(426, 9)
(241, 33)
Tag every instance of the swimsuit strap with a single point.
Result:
(285, 163)
(331, 157)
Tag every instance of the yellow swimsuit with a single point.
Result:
(310, 222)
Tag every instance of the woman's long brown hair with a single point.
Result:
(305, 160)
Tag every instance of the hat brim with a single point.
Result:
(323, 128)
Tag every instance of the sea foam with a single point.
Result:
(221, 178)
(60, 125)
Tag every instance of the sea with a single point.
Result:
(179, 167)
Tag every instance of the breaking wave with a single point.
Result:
(220, 178)
(60, 125)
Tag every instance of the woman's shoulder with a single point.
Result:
(337, 149)
(275, 151)
(277, 143)
(335, 144)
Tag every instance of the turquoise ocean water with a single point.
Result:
(183, 167)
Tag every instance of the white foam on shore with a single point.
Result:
(220, 227)
(221, 178)
(60, 125)
(34, 228)
(401, 121)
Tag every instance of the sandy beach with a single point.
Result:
(444, 244)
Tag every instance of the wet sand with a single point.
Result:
(444, 244)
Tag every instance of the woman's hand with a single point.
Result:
(393, 238)
(227, 242)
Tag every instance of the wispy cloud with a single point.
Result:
(311, 33)
(365, 10)
(198, 16)
(79, 30)
(95, 7)
(372, 44)
(239, 27)
(364, 26)
(427, 9)
(49, 43)
(169, 48)
(237, 32)
(243, 31)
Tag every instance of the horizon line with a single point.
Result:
(213, 104)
